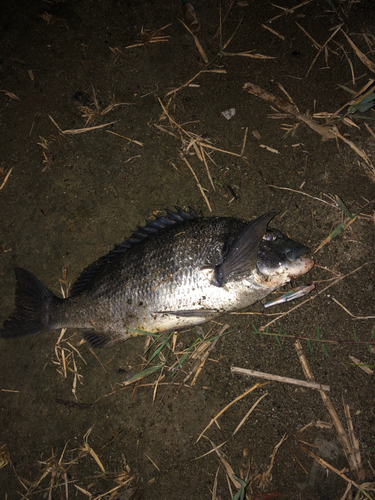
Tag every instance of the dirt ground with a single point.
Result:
(71, 197)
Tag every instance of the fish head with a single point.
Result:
(281, 259)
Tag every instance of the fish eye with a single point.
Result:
(269, 237)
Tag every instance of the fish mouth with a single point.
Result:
(286, 265)
(296, 253)
(299, 262)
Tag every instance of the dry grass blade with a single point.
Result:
(266, 477)
(203, 154)
(248, 54)
(205, 145)
(238, 398)
(351, 314)
(277, 378)
(362, 366)
(127, 138)
(199, 185)
(88, 129)
(353, 440)
(288, 11)
(282, 37)
(86, 449)
(244, 141)
(304, 194)
(368, 165)
(323, 47)
(202, 360)
(211, 451)
(153, 463)
(324, 131)
(249, 413)
(197, 43)
(222, 71)
(101, 364)
(316, 44)
(10, 94)
(326, 465)
(6, 179)
(150, 36)
(350, 452)
(366, 61)
(227, 467)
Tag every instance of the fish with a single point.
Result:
(177, 271)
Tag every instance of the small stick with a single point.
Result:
(127, 138)
(286, 380)
(273, 31)
(244, 141)
(153, 463)
(88, 129)
(316, 44)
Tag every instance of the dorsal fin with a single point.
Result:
(152, 227)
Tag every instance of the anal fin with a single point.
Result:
(99, 339)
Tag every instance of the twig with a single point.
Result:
(345, 442)
(244, 141)
(127, 138)
(286, 380)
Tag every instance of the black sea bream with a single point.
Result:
(177, 271)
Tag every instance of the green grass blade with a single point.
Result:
(355, 334)
(145, 373)
(277, 336)
(309, 345)
(325, 350)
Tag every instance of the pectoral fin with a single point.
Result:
(243, 253)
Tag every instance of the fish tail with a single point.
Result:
(32, 301)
